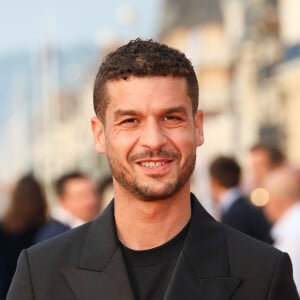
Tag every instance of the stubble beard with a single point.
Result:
(149, 191)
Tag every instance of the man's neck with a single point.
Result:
(144, 225)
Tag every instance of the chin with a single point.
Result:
(147, 193)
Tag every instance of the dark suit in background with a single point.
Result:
(51, 229)
(247, 218)
(234, 208)
(216, 263)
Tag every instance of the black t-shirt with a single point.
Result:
(149, 271)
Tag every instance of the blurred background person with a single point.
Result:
(263, 158)
(26, 213)
(105, 191)
(283, 211)
(77, 203)
(234, 209)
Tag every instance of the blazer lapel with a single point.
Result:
(101, 272)
(201, 272)
(202, 269)
(186, 285)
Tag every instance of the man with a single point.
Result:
(154, 241)
(264, 158)
(283, 210)
(77, 204)
(234, 208)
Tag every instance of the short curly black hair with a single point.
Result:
(143, 58)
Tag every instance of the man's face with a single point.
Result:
(150, 135)
(80, 198)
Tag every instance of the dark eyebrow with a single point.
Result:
(177, 109)
(131, 112)
(122, 112)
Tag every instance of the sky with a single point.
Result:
(28, 24)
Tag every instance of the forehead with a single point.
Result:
(148, 91)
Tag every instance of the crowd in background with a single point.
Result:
(30, 219)
(265, 205)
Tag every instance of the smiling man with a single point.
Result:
(155, 240)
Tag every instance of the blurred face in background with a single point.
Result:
(214, 189)
(273, 208)
(80, 198)
(260, 165)
(283, 189)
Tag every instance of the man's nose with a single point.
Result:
(152, 136)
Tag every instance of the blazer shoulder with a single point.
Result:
(248, 256)
(63, 246)
(265, 269)
(242, 245)
(67, 248)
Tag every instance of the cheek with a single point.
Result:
(184, 142)
(120, 145)
(186, 139)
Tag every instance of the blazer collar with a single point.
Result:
(101, 271)
(201, 272)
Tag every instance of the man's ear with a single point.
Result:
(98, 134)
(199, 127)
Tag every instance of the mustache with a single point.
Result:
(157, 154)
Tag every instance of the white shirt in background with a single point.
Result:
(286, 235)
(64, 216)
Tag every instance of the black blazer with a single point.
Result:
(247, 218)
(216, 263)
(11, 246)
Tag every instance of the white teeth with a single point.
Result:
(152, 164)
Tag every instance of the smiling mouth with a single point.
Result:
(153, 164)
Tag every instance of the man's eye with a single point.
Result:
(129, 121)
(172, 118)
